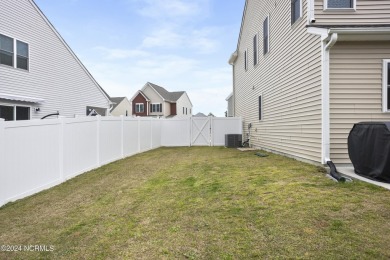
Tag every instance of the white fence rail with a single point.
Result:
(39, 154)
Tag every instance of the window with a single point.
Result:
(155, 108)
(186, 111)
(183, 110)
(246, 60)
(296, 10)
(139, 108)
(337, 4)
(255, 50)
(6, 50)
(266, 35)
(21, 55)
(10, 113)
(260, 108)
(386, 86)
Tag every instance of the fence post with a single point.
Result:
(61, 148)
(190, 120)
(139, 135)
(122, 136)
(3, 167)
(212, 126)
(151, 133)
(98, 140)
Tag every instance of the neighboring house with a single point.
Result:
(39, 73)
(305, 71)
(121, 106)
(156, 101)
(230, 105)
(200, 115)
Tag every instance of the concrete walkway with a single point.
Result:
(349, 171)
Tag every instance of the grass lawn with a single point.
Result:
(202, 203)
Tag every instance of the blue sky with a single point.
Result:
(177, 44)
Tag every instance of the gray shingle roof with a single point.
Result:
(168, 96)
(116, 101)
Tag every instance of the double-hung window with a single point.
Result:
(260, 108)
(296, 10)
(339, 4)
(255, 50)
(8, 48)
(139, 107)
(246, 60)
(156, 108)
(386, 86)
(21, 55)
(266, 35)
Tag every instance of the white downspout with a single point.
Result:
(326, 97)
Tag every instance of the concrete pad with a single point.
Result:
(349, 171)
(247, 149)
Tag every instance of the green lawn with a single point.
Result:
(202, 203)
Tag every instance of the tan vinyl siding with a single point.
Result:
(367, 12)
(288, 78)
(184, 101)
(154, 98)
(355, 90)
(54, 74)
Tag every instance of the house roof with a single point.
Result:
(70, 50)
(137, 93)
(165, 94)
(116, 101)
(200, 115)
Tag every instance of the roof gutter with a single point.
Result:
(332, 41)
(233, 58)
(326, 96)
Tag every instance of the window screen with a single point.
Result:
(340, 3)
(245, 61)
(7, 112)
(255, 50)
(388, 86)
(295, 10)
(22, 113)
(260, 108)
(22, 55)
(6, 50)
(266, 35)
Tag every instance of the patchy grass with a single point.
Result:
(202, 203)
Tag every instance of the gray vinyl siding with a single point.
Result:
(367, 12)
(355, 90)
(54, 74)
(288, 78)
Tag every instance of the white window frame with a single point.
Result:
(268, 47)
(159, 105)
(14, 106)
(15, 54)
(300, 12)
(339, 9)
(385, 87)
(138, 106)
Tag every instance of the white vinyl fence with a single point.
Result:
(39, 154)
